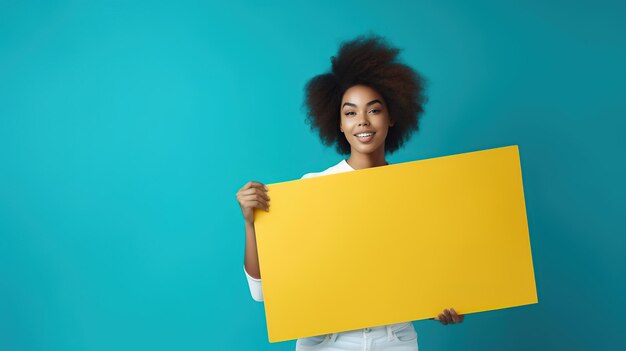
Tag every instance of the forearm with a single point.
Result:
(251, 257)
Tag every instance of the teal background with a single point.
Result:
(126, 129)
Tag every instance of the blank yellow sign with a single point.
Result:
(395, 243)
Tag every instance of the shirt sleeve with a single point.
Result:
(255, 287)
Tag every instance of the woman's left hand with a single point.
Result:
(449, 316)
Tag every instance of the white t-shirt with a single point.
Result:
(255, 284)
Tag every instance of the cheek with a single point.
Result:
(383, 123)
(345, 125)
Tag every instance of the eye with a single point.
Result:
(350, 113)
(375, 111)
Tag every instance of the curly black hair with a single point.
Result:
(370, 61)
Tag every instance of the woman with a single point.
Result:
(367, 106)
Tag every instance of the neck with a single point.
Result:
(360, 161)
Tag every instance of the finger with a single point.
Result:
(260, 200)
(442, 319)
(253, 184)
(448, 315)
(260, 185)
(455, 316)
(254, 197)
(256, 204)
(252, 191)
(245, 194)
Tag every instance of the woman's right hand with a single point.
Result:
(250, 196)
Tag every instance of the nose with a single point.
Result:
(364, 120)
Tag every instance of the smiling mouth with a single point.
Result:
(365, 137)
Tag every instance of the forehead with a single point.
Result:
(360, 94)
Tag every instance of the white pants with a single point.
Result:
(393, 337)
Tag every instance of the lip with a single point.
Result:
(365, 140)
(364, 131)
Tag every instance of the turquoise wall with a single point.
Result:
(127, 128)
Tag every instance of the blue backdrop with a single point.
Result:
(127, 128)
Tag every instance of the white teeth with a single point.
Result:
(364, 134)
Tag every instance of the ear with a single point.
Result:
(392, 122)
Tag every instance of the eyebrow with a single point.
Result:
(368, 104)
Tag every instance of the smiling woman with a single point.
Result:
(367, 106)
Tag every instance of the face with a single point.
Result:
(364, 119)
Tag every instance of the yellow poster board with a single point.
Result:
(395, 243)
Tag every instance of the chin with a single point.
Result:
(369, 149)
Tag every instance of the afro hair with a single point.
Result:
(370, 61)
